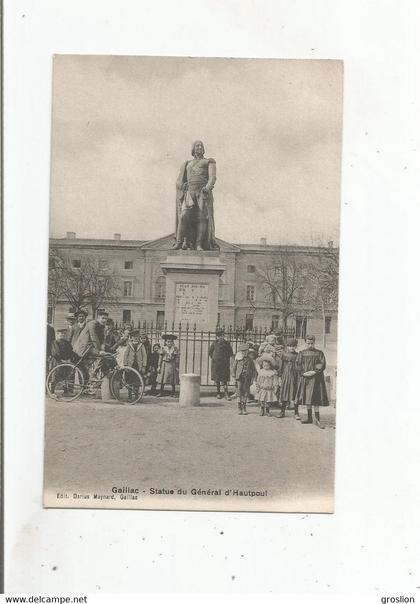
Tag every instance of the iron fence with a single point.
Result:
(194, 344)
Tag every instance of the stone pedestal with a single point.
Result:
(192, 288)
(189, 393)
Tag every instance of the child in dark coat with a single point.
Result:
(245, 373)
(220, 353)
(61, 352)
(154, 369)
(61, 349)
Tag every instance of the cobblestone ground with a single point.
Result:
(92, 445)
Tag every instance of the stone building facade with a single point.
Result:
(243, 302)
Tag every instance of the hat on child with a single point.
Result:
(81, 313)
(271, 338)
(310, 338)
(291, 342)
(243, 348)
(135, 333)
(169, 336)
(267, 357)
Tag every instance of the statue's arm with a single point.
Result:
(212, 175)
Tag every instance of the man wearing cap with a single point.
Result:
(220, 353)
(91, 340)
(81, 317)
(312, 392)
(71, 324)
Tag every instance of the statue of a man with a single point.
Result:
(194, 228)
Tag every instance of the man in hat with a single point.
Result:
(71, 323)
(220, 353)
(168, 367)
(61, 351)
(91, 341)
(81, 317)
(312, 392)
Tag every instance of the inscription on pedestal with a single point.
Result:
(192, 303)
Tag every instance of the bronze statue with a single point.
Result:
(194, 228)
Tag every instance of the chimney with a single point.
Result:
(70, 235)
(263, 241)
(117, 236)
(331, 244)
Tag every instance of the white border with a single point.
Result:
(370, 545)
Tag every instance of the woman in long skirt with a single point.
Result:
(289, 378)
(169, 359)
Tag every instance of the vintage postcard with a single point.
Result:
(193, 283)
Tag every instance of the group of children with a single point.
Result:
(277, 373)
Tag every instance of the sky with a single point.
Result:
(122, 127)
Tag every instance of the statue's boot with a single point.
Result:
(177, 245)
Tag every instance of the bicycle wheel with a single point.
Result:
(65, 382)
(127, 385)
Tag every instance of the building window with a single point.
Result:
(250, 268)
(160, 319)
(128, 289)
(128, 264)
(76, 263)
(160, 288)
(327, 325)
(275, 321)
(249, 322)
(250, 293)
(126, 316)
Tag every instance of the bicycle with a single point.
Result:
(67, 381)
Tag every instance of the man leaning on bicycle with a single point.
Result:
(91, 348)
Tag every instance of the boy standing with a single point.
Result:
(135, 357)
(245, 372)
(312, 392)
(220, 353)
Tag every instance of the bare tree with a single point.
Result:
(55, 277)
(322, 284)
(283, 282)
(93, 284)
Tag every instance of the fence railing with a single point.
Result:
(194, 344)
